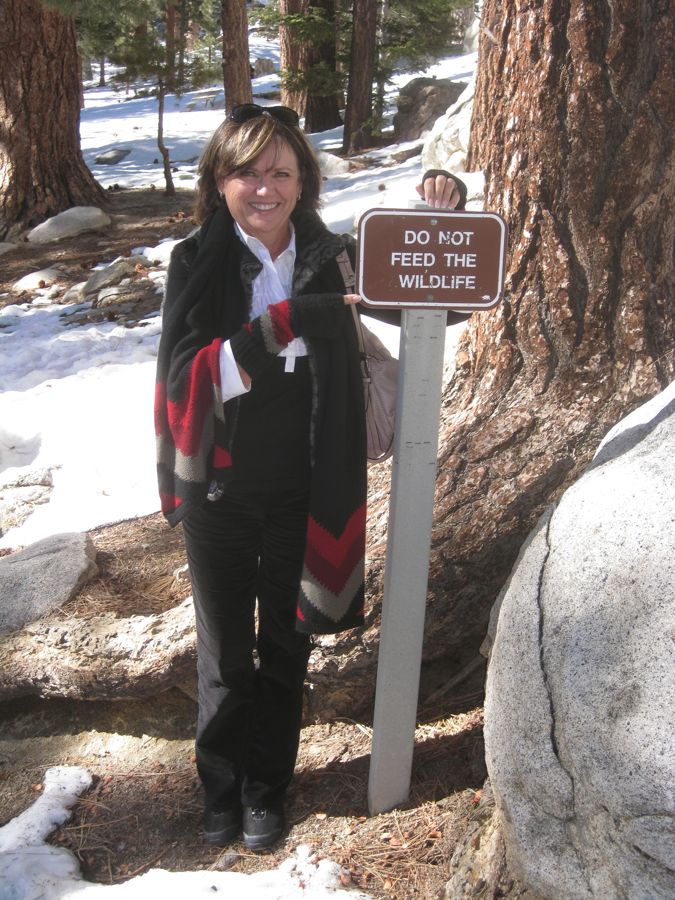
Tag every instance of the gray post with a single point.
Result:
(407, 564)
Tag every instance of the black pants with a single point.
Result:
(243, 546)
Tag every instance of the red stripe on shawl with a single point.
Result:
(222, 459)
(280, 314)
(331, 560)
(186, 418)
(169, 502)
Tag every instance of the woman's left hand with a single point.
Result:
(439, 192)
(351, 299)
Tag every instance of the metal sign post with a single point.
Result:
(426, 263)
(407, 567)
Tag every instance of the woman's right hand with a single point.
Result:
(352, 299)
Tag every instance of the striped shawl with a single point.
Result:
(208, 301)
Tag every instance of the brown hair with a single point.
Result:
(233, 146)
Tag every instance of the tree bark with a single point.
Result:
(170, 45)
(42, 171)
(359, 109)
(293, 55)
(573, 126)
(236, 64)
(169, 190)
(322, 110)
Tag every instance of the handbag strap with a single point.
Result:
(347, 272)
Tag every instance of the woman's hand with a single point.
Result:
(439, 191)
(351, 299)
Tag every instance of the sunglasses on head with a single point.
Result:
(242, 112)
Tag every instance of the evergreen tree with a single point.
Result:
(144, 53)
(309, 33)
(318, 47)
(236, 63)
(412, 35)
(358, 130)
(42, 171)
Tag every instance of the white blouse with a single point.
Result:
(271, 285)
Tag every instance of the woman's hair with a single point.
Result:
(234, 146)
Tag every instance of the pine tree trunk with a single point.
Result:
(169, 190)
(236, 64)
(573, 126)
(183, 36)
(42, 171)
(293, 55)
(322, 111)
(359, 109)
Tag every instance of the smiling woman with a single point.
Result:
(261, 455)
(258, 353)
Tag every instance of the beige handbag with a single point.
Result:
(380, 379)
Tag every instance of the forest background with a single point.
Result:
(572, 126)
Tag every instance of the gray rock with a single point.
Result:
(581, 684)
(472, 36)
(110, 157)
(5, 247)
(43, 577)
(332, 165)
(75, 220)
(75, 294)
(101, 657)
(420, 103)
(112, 274)
(446, 145)
(263, 66)
(108, 296)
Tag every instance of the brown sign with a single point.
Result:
(434, 259)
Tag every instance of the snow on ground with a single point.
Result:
(77, 401)
(31, 869)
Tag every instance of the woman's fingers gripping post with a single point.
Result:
(351, 299)
(439, 192)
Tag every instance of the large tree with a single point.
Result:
(42, 171)
(323, 82)
(359, 108)
(236, 64)
(311, 83)
(293, 53)
(573, 127)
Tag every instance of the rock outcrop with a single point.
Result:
(420, 103)
(581, 683)
(446, 145)
(43, 577)
(101, 657)
(76, 220)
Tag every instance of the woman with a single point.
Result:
(261, 453)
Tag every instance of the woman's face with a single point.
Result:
(262, 196)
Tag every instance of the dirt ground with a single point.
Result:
(145, 806)
(139, 218)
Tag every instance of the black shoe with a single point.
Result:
(221, 827)
(262, 826)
